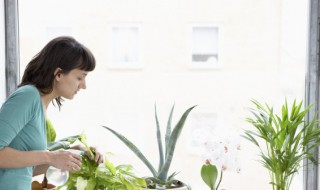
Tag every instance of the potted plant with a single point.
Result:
(97, 177)
(160, 178)
(287, 138)
(104, 176)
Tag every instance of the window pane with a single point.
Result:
(205, 44)
(125, 45)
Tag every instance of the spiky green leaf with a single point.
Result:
(134, 149)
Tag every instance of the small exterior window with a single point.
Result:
(205, 47)
(125, 47)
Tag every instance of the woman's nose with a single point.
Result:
(83, 84)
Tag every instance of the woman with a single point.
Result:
(58, 71)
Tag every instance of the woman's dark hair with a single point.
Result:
(62, 52)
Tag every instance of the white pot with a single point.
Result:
(180, 188)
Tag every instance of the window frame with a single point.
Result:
(2, 57)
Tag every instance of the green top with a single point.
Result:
(22, 126)
(51, 132)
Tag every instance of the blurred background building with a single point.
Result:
(216, 54)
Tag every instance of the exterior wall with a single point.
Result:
(263, 56)
(2, 55)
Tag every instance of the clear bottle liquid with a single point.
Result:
(57, 176)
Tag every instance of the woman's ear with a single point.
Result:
(57, 73)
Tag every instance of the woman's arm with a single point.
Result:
(11, 158)
(40, 169)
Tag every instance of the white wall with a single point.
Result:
(2, 55)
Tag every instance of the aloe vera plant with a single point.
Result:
(287, 137)
(160, 179)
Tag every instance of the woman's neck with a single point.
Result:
(46, 99)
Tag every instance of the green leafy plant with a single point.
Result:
(104, 176)
(160, 178)
(209, 174)
(93, 176)
(287, 137)
(98, 177)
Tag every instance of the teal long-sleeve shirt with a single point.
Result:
(22, 127)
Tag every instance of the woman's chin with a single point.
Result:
(69, 97)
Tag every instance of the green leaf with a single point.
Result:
(161, 157)
(172, 143)
(171, 177)
(168, 130)
(83, 139)
(81, 183)
(91, 184)
(209, 174)
(110, 166)
(249, 137)
(134, 149)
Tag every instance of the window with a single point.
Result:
(205, 47)
(125, 47)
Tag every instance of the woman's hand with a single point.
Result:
(65, 160)
(98, 156)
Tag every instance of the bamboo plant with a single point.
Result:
(160, 179)
(288, 139)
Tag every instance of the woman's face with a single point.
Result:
(67, 85)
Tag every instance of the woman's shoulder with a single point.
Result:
(28, 88)
(24, 97)
(27, 91)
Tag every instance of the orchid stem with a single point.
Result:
(219, 180)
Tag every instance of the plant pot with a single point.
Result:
(179, 188)
(38, 186)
